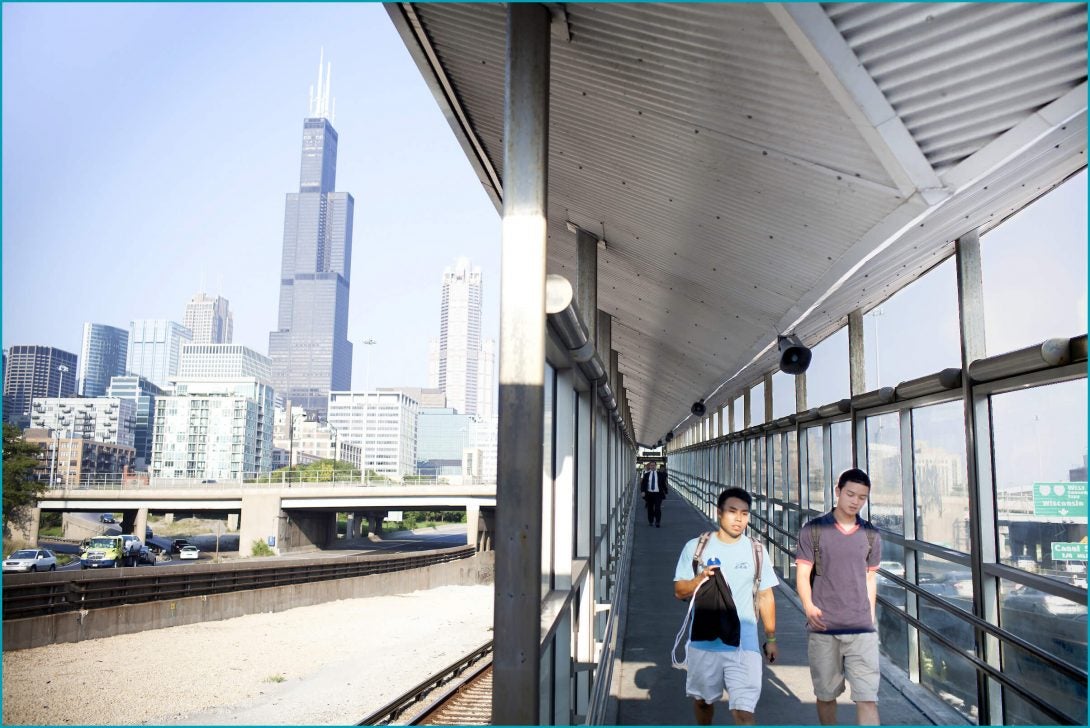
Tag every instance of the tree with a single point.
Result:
(21, 491)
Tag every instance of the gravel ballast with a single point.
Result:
(327, 664)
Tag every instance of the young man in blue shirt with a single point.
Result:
(724, 652)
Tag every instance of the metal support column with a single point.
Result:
(981, 531)
(516, 686)
(857, 374)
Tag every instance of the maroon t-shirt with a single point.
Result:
(841, 590)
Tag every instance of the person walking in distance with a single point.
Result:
(654, 488)
(731, 577)
(837, 563)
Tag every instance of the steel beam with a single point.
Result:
(516, 691)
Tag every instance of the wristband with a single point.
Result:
(770, 637)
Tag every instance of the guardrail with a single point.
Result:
(119, 481)
(33, 595)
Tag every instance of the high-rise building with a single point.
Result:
(36, 371)
(383, 424)
(486, 380)
(214, 361)
(454, 360)
(142, 394)
(214, 429)
(310, 350)
(102, 355)
(155, 349)
(209, 319)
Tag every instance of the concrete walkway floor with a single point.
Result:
(650, 691)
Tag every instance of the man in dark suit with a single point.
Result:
(654, 488)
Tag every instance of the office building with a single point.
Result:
(310, 351)
(442, 436)
(155, 349)
(309, 440)
(383, 424)
(460, 362)
(218, 361)
(215, 429)
(102, 355)
(142, 394)
(36, 371)
(209, 319)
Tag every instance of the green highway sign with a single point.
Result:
(1067, 500)
(1068, 551)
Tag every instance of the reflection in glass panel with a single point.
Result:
(791, 477)
(827, 379)
(842, 450)
(949, 580)
(1040, 467)
(757, 404)
(893, 562)
(938, 462)
(548, 471)
(815, 468)
(915, 332)
(783, 395)
(949, 674)
(739, 411)
(884, 469)
(893, 634)
(756, 472)
(777, 486)
(1049, 237)
(1057, 626)
(780, 557)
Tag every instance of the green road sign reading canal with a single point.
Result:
(1067, 500)
(1067, 551)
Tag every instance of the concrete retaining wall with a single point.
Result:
(92, 624)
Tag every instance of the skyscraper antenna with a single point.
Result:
(320, 99)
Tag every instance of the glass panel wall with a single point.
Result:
(827, 379)
(783, 395)
(815, 468)
(1020, 309)
(884, 468)
(1040, 464)
(938, 461)
(916, 332)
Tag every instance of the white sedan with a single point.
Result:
(189, 552)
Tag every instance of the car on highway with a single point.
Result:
(107, 518)
(177, 545)
(26, 560)
(189, 552)
(146, 556)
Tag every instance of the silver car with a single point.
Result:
(31, 560)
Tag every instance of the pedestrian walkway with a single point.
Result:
(649, 691)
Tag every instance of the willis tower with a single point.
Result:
(310, 351)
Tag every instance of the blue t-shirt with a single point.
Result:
(736, 564)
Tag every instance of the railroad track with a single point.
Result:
(460, 694)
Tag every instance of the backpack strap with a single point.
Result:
(703, 542)
(872, 534)
(758, 558)
(815, 539)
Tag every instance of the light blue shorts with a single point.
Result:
(738, 672)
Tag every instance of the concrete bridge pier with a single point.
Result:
(485, 533)
(374, 524)
(26, 531)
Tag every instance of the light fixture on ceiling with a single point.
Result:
(698, 409)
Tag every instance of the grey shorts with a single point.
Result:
(835, 658)
(738, 672)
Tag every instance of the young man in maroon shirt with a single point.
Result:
(840, 602)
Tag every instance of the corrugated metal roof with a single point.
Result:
(736, 186)
(961, 74)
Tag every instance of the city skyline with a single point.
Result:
(210, 186)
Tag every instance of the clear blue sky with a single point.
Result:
(146, 145)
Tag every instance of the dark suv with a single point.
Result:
(176, 545)
(107, 518)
